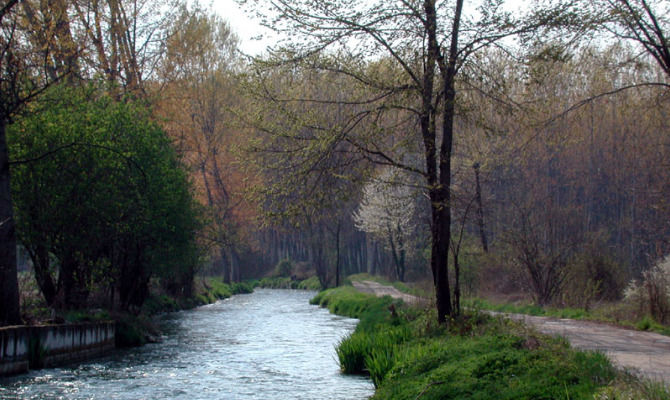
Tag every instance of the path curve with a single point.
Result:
(644, 353)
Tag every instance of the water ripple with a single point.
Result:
(270, 344)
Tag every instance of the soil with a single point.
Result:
(646, 354)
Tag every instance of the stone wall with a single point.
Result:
(31, 347)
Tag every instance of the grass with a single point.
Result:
(409, 356)
(278, 282)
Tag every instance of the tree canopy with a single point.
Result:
(101, 198)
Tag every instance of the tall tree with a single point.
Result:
(26, 69)
(429, 48)
(199, 68)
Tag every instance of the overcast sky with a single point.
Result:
(247, 29)
(243, 26)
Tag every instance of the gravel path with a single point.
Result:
(644, 353)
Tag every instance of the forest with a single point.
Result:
(490, 149)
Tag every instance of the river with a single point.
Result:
(270, 344)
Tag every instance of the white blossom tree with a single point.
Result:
(387, 212)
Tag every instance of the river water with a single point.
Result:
(270, 344)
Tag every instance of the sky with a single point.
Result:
(245, 27)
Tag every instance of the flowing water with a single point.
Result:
(270, 344)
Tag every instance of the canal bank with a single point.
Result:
(32, 347)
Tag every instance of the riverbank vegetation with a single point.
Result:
(409, 356)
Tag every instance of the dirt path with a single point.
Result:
(383, 290)
(645, 353)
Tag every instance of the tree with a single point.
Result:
(199, 68)
(25, 72)
(99, 190)
(420, 51)
(644, 22)
(126, 39)
(387, 212)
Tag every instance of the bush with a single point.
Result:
(593, 276)
(652, 294)
(241, 287)
(312, 283)
(284, 268)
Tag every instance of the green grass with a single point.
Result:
(409, 356)
(278, 282)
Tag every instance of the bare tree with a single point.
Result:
(644, 22)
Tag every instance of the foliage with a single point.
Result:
(475, 357)
(194, 108)
(311, 283)
(284, 268)
(593, 276)
(101, 199)
(653, 292)
(387, 211)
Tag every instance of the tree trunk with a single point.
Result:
(41, 267)
(480, 209)
(9, 284)
(225, 264)
(439, 185)
(337, 255)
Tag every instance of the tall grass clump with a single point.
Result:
(351, 353)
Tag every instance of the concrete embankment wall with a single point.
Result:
(30, 347)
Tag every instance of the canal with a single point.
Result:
(270, 344)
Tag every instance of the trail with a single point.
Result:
(644, 353)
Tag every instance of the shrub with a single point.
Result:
(652, 294)
(284, 268)
(310, 284)
(593, 276)
(241, 287)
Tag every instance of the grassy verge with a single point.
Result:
(279, 282)
(408, 356)
(606, 314)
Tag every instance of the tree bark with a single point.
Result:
(41, 267)
(439, 182)
(9, 284)
(480, 209)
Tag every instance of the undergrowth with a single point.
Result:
(278, 282)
